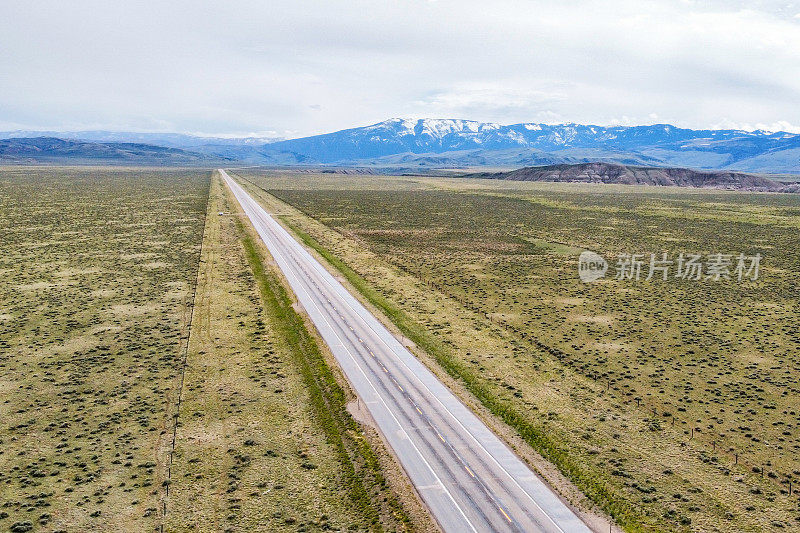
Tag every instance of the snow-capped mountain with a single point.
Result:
(400, 143)
(467, 142)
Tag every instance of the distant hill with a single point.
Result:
(436, 143)
(171, 140)
(639, 175)
(54, 150)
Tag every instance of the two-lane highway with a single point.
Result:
(468, 477)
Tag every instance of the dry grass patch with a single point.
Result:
(91, 353)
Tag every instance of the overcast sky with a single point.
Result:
(291, 68)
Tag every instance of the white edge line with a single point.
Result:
(467, 431)
(364, 374)
(316, 265)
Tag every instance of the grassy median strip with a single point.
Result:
(536, 436)
(363, 477)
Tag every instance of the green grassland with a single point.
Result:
(97, 274)
(154, 375)
(673, 405)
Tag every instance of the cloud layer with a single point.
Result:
(302, 67)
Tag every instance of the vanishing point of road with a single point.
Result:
(470, 480)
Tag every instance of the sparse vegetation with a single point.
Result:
(100, 376)
(671, 404)
(97, 267)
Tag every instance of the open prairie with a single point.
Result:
(154, 375)
(672, 404)
(98, 268)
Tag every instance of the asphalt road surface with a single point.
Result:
(470, 480)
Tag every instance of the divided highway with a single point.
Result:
(470, 480)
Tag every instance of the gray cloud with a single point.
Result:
(302, 67)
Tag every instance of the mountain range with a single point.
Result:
(420, 144)
(459, 143)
